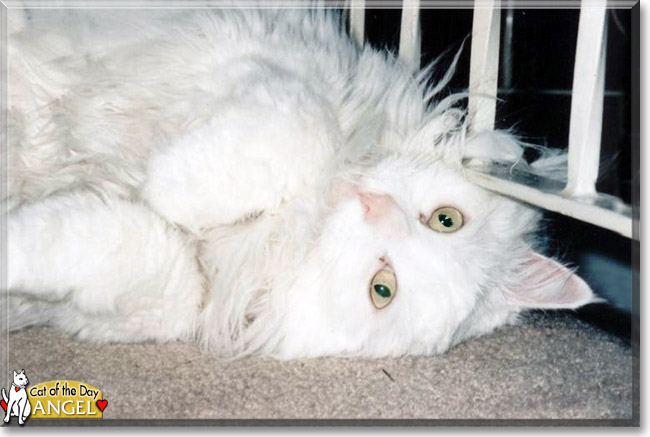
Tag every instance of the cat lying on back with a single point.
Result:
(253, 180)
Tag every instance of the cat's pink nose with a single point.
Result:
(384, 214)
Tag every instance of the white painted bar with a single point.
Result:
(506, 66)
(358, 20)
(578, 199)
(587, 99)
(410, 35)
(484, 65)
(601, 210)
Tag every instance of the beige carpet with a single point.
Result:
(550, 367)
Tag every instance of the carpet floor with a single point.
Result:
(552, 366)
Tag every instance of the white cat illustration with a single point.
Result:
(18, 403)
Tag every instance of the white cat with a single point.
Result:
(253, 180)
(18, 404)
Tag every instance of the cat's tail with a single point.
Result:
(4, 395)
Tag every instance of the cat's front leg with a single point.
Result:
(263, 147)
(27, 409)
(21, 410)
(104, 269)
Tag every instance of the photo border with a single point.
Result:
(388, 4)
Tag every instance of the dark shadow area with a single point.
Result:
(609, 319)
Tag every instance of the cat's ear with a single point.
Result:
(15, 373)
(545, 283)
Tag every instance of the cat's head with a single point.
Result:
(408, 257)
(20, 379)
(414, 258)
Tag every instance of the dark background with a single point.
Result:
(536, 102)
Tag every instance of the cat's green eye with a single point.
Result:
(447, 219)
(383, 287)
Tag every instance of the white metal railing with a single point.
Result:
(410, 36)
(358, 20)
(578, 197)
(484, 65)
(587, 102)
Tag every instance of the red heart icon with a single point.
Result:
(102, 404)
(3, 404)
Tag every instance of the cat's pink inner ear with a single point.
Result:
(548, 284)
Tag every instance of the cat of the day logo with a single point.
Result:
(50, 400)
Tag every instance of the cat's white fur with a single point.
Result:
(18, 404)
(211, 175)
